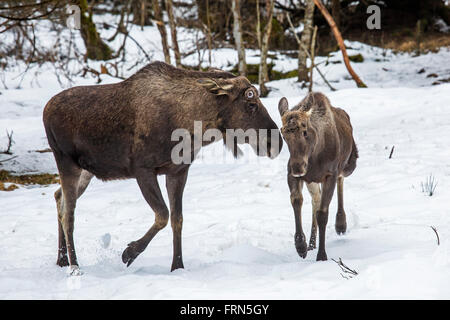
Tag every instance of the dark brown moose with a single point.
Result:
(322, 151)
(123, 130)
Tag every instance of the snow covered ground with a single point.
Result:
(238, 236)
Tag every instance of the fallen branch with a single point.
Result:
(4, 160)
(10, 143)
(345, 269)
(340, 41)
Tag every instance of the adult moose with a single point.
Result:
(322, 151)
(123, 130)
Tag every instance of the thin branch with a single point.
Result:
(4, 160)
(345, 269)
(30, 17)
(26, 5)
(10, 143)
(392, 151)
(437, 235)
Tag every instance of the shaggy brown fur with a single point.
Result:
(322, 150)
(124, 130)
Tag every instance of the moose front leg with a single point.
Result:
(175, 187)
(296, 185)
(148, 183)
(322, 214)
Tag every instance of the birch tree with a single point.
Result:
(162, 29)
(263, 75)
(306, 41)
(173, 32)
(237, 34)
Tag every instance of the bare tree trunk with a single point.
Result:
(173, 32)
(209, 36)
(306, 41)
(162, 29)
(263, 75)
(340, 42)
(336, 12)
(258, 24)
(140, 12)
(237, 34)
(300, 44)
(312, 55)
(96, 49)
(418, 37)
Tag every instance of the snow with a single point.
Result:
(238, 232)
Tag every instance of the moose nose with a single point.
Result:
(298, 169)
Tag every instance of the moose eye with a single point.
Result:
(250, 94)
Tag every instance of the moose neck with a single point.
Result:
(207, 121)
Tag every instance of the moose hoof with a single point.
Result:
(301, 246)
(341, 228)
(177, 265)
(62, 261)
(130, 253)
(311, 246)
(322, 256)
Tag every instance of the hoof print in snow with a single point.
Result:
(74, 271)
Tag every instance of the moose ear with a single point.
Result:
(283, 106)
(214, 87)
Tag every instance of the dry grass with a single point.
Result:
(429, 43)
(25, 179)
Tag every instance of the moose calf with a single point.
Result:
(322, 151)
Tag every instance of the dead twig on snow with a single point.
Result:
(392, 151)
(347, 272)
(10, 143)
(437, 235)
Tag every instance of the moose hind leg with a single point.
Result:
(148, 183)
(341, 221)
(83, 182)
(69, 176)
(314, 191)
(175, 186)
(62, 259)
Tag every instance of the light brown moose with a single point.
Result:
(322, 152)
